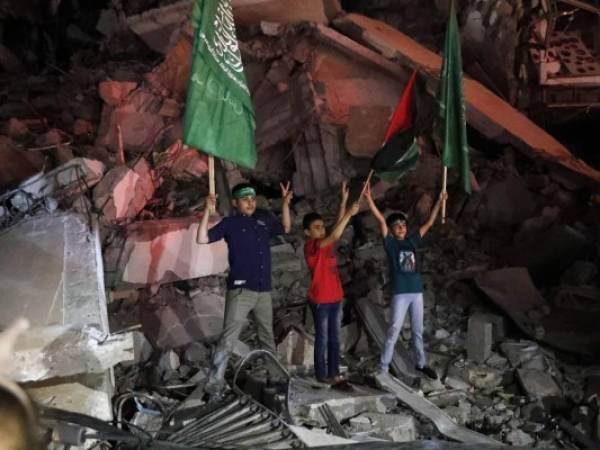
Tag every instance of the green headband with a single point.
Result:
(245, 192)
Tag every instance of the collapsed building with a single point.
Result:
(100, 205)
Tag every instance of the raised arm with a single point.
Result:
(339, 227)
(434, 213)
(343, 201)
(375, 211)
(287, 194)
(202, 235)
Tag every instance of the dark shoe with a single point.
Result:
(324, 380)
(428, 371)
(342, 385)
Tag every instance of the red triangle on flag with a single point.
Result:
(402, 117)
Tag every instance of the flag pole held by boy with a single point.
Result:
(452, 109)
(219, 118)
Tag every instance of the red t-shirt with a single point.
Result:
(325, 286)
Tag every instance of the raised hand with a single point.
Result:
(286, 192)
(345, 192)
(354, 208)
(211, 204)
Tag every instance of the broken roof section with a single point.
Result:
(488, 113)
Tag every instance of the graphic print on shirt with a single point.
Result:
(407, 261)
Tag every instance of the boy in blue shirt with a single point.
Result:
(247, 233)
(407, 286)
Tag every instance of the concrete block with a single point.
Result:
(297, 348)
(114, 92)
(178, 322)
(169, 361)
(58, 351)
(393, 427)
(196, 354)
(124, 192)
(538, 384)
(479, 338)
(285, 259)
(162, 251)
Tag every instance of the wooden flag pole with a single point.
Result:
(211, 176)
(444, 181)
(371, 172)
(120, 147)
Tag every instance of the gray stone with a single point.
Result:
(305, 402)
(196, 353)
(285, 259)
(479, 338)
(297, 349)
(142, 349)
(519, 438)
(169, 361)
(393, 427)
(538, 384)
(441, 334)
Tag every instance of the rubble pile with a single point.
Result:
(511, 279)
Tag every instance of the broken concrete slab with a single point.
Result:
(51, 268)
(479, 338)
(185, 163)
(139, 129)
(297, 349)
(513, 290)
(114, 92)
(124, 192)
(59, 351)
(442, 421)
(163, 251)
(304, 401)
(538, 384)
(402, 362)
(248, 12)
(170, 320)
(491, 115)
(392, 427)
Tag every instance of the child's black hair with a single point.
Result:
(394, 217)
(240, 186)
(309, 218)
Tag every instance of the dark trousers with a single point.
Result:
(327, 318)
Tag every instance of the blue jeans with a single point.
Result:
(327, 318)
(400, 304)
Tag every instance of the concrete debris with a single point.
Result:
(105, 139)
(392, 427)
(124, 192)
(538, 384)
(491, 115)
(173, 320)
(114, 92)
(519, 438)
(58, 351)
(442, 421)
(297, 349)
(305, 401)
(479, 339)
(146, 256)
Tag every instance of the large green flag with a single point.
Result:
(452, 105)
(218, 119)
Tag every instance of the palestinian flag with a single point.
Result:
(399, 152)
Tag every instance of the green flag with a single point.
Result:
(452, 105)
(218, 119)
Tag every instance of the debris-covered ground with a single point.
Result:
(512, 286)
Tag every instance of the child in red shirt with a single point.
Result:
(325, 293)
